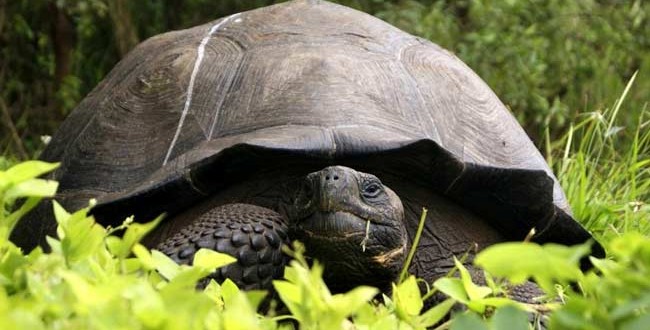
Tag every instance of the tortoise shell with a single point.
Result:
(189, 112)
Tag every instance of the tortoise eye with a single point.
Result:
(371, 190)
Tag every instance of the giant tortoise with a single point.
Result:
(312, 121)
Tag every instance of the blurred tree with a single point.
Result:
(125, 32)
(63, 40)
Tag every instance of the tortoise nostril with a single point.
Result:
(336, 177)
(327, 177)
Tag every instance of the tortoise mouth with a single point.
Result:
(332, 224)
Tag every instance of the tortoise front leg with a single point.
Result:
(252, 234)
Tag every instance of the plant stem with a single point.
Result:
(414, 246)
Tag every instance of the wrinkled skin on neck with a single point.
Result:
(353, 224)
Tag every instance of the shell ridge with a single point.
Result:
(190, 86)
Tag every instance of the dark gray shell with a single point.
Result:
(303, 81)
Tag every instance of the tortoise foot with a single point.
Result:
(252, 234)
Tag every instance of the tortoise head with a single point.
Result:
(352, 223)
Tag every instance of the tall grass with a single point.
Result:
(605, 169)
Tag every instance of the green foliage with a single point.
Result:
(87, 281)
(475, 297)
(614, 295)
(407, 303)
(20, 181)
(522, 261)
(309, 300)
(603, 165)
(617, 294)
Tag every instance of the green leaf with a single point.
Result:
(291, 296)
(147, 305)
(474, 292)
(453, 287)
(436, 313)
(468, 321)
(121, 247)
(407, 298)
(81, 236)
(32, 188)
(164, 265)
(186, 278)
(211, 260)
(12, 219)
(143, 254)
(509, 318)
(352, 300)
(62, 216)
(28, 170)
(520, 261)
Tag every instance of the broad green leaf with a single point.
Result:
(453, 287)
(121, 247)
(82, 236)
(187, 278)
(164, 265)
(136, 231)
(12, 219)
(509, 318)
(213, 290)
(290, 274)
(520, 261)
(436, 313)
(32, 188)
(28, 170)
(86, 293)
(255, 297)
(352, 300)
(468, 321)
(211, 260)
(407, 298)
(143, 254)
(570, 317)
(61, 216)
(291, 295)
(238, 314)
(147, 305)
(474, 292)
(229, 290)
(55, 245)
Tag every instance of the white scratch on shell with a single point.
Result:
(190, 86)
